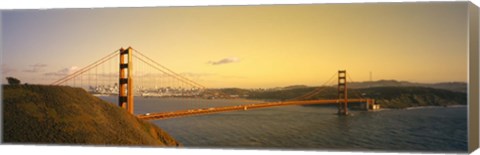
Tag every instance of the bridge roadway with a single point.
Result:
(166, 115)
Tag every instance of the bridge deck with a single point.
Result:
(166, 115)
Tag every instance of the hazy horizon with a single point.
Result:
(248, 46)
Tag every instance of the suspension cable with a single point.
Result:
(169, 70)
(77, 73)
(315, 91)
(351, 80)
(323, 88)
(173, 76)
(92, 65)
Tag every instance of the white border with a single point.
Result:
(82, 150)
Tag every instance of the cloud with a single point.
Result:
(35, 68)
(7, 69)
(63, 72)
(224, 61)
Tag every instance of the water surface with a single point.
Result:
(436, 129)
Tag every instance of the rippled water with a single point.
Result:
(312, 127)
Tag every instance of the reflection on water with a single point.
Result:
(312, 127)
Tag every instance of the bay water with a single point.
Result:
(428, 129)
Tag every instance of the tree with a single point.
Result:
(13, 81)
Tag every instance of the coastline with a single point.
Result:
(428, 107)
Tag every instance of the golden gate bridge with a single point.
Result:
(114, 74)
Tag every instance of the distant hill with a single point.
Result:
(295, 87)
(285, 94)
(64, 115)
(387, 97)
(452, 86)
(403, 97)
(231, 91)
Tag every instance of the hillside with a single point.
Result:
(403, 97)
(64, 115)
(387, 97)
(452, 86)
(285, 94)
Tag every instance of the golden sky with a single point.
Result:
(249, 46)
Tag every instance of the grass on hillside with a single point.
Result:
(66, 115)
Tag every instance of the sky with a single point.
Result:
(247, 46)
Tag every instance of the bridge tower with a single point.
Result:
(125, 94)
(342, 93)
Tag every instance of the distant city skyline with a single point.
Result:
(248, 46)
